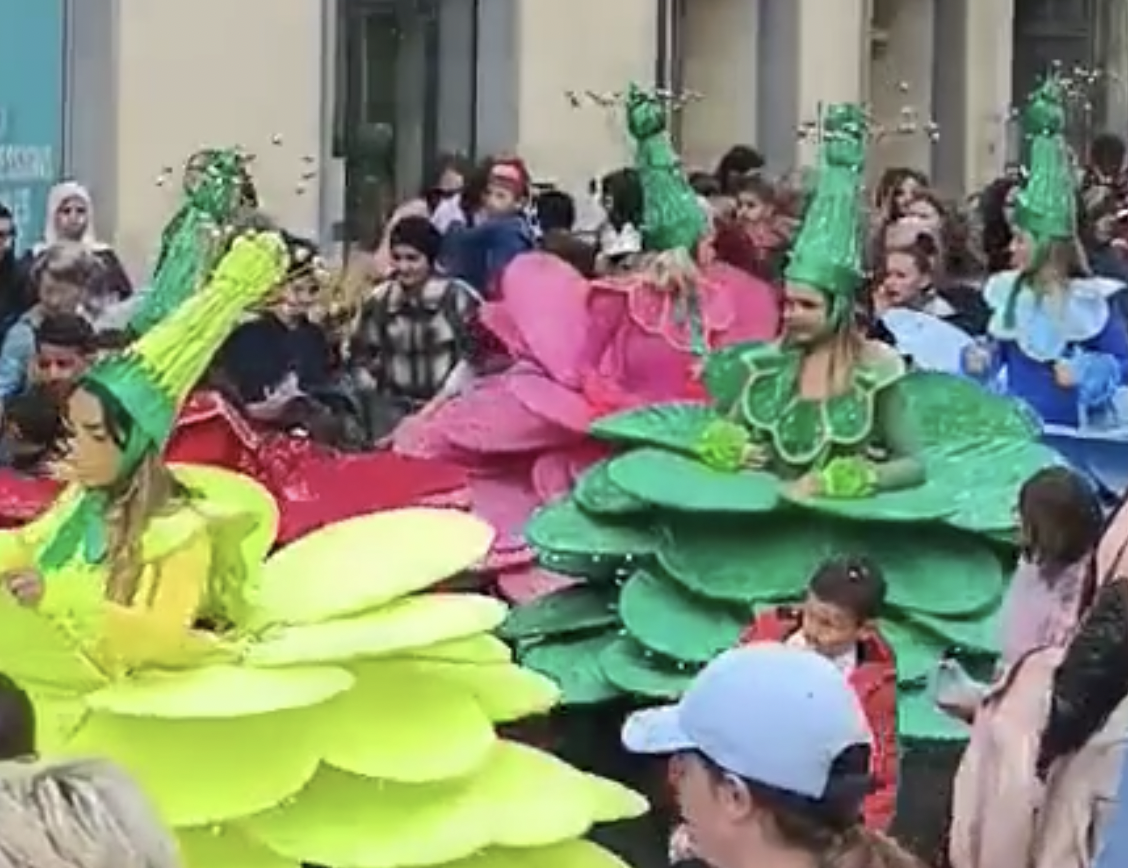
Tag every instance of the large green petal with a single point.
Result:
(977, 632)
(579, 608)
(221, 692)
(928, 569)
(356, 565)
(574, 664)
(634, 670)
(946, 409)
(665, 618)
(916, 651)
(677, 427)
(562, 527)
(926, 502)
(520, 798)
(597, 494)
(416, 622)
(199, 772)
(227, 847)
(984, 477)
(918, 719)
(672, 481)
(400, 725)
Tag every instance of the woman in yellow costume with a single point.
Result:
(330, 712)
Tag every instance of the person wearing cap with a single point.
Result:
(770, 758)
(479, 253)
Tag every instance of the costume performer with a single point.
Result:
(820, 444)
(584, 350)
(307, 480)
(312, 709)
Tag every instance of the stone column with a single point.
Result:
(990, 34)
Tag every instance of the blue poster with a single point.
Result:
(32, 41)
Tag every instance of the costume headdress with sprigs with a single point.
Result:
(1046, 206)
(827, 252)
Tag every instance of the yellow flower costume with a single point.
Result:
(341, 717)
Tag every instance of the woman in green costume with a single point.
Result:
(816, 445)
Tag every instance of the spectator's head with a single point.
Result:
(755, 200)
(1106, 155)
(302, 287)
(898, 186)
(78, 815)
(1060, 518)
(69, 214)
(738, 162)
(17, 722)
(446, 179)
(770, 759)
(556, 211)
(33, 429)
(64, 346)
(415, 245)
(7, 232)
(62, 276)
(508, 187)
(620, 193)
(907, 273)
(844, 598)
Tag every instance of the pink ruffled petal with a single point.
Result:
(546, 300)
(506, 500)
(501, 560)
(491, 421)
(496, 317)
(755, 313)
(550, 401)
(555, 473)
(524, 586)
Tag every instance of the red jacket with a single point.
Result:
(875, 681)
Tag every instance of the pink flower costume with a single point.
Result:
(582, 350)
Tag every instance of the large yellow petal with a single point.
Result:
(200, 772)
(227, 847)
(416, 622)
(58, 715)
(33, 651)
(520, 798)
(221, 692)
(224, 491)
(505, 691)
(365, 562)
(485, 648)
(567, 854)
(612, 801)
(399, 724)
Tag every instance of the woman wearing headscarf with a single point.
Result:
(70, 217)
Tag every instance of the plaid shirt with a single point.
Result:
(411, 341)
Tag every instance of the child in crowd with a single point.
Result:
(64, 345)
(502, 231)
(33, 431)
(838, 619)
(17, 722)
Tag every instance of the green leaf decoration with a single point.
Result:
(595, 493)
(632, 669)
(947, 409)
(677, 426)
(928, 502)
(563, 528)
(983, 479)
(590, 568)
(675, 482)
(578, 609)
(918, 719)
(666, 618)
(977, 633)
(575, 665)
(928, 569)
(917, 651)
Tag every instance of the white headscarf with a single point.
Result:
(59, 194)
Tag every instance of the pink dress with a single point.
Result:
(580, 350)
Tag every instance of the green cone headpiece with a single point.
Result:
(1046, 206)
(827, 252)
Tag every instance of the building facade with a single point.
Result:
(345, 102)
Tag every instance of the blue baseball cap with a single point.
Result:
(770, 713)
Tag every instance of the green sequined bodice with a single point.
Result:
(758, 386)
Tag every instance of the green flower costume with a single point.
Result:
(678, 543)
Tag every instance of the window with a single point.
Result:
(669, 72)
(405, 90)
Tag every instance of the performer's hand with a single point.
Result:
(756, 456)
(26, 586)
(976, 359)
(1063, 376)
(808, 485)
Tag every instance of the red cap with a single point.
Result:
(512, 173)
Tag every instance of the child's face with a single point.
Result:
(751, 209)
(411, 267)
(500, 200)
(829, 629)
(56, 367)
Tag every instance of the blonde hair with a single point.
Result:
(150, 490)
(66, 261)
(83, 814)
